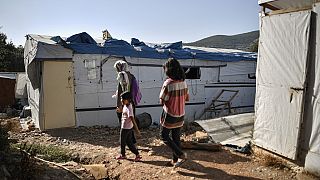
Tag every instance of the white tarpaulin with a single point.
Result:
(21, 88)
(312, 111)
(281, 72)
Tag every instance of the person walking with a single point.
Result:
(124, 78)
(173, 95)
(127, 124)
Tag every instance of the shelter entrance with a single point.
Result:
(281, 71)
(58, 96)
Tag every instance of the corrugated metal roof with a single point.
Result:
(234, 129)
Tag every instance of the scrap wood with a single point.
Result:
(201, 146)
(145, 149)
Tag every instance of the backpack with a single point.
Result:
(135, 90)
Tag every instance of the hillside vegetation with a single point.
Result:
(245, 41)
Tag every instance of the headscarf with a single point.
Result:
(122, 69)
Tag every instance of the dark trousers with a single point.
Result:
(173, 142)
(126, 139)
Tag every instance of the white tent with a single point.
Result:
(287, 106)
(71, 81)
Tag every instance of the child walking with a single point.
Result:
(127, 123)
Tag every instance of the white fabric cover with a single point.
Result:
(42, 47)
(312, 120)
(283, 49)
(21, 82)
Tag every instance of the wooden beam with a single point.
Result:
(201, 146)
(269, 6)
(290, 10)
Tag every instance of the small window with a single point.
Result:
(90, 65)
(192, 72)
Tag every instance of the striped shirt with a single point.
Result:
(173, 95)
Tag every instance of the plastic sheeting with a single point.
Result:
(41, 47)
(21, 88)
(281, 72)
(312, 111)
(83, 43)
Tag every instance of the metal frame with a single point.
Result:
(220, 105)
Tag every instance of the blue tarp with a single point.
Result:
(83, 43)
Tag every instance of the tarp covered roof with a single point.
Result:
(83, 43)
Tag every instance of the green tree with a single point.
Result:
(11, 57)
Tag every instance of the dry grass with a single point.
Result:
(270, 160)
(274, 162)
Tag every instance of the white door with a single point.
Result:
(281, 73)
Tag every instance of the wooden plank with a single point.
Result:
(290, 10)
(269, 6)
(201, 146)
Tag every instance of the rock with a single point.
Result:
(151, 153)
(99, 171)
(297, 169)
(3, 115)
(105, 162)
(173, 171)
(200, 134)
(11, 112)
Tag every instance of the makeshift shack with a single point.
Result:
(70, 81)
(287, 106)
(7, 89)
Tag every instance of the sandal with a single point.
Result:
(171, 163)
(120, 157)
(183, 158)
(138, 158)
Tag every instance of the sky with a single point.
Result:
(155, 21)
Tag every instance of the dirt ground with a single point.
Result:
(94, 150)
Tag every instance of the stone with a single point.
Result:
(99, 171)
(151, 153)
